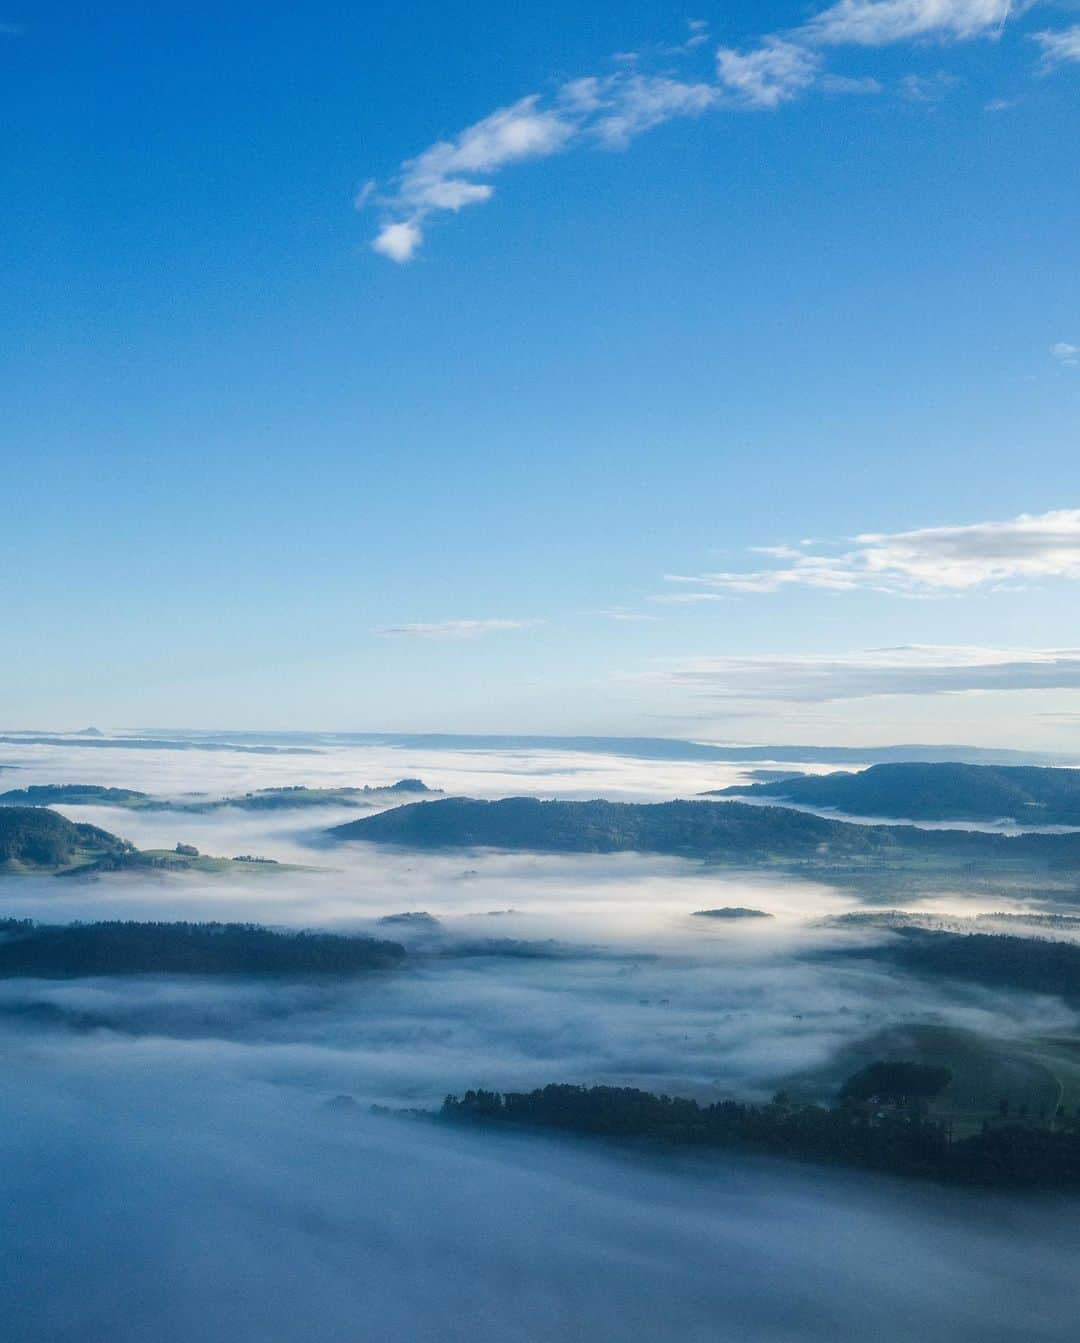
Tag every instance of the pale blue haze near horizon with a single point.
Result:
(258, 474)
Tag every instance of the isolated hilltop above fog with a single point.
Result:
(261, 799)
(695, 828)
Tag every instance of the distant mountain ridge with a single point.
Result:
(952, 791)
(641, 748)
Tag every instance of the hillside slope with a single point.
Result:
(33, 838)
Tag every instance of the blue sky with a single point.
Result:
(755, 275)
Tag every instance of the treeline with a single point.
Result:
(121, 948)
(262, 799)
(75, 794)
(900, 1142)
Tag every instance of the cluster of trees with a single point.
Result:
(700, 829)
(262, 799)
(34, 837)
(896, 1082)
(936, 792)
(119, 948)
(898, 1138)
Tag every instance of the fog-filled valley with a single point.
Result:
(273, 1138)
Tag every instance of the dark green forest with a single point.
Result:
(867, 1133)
(126, 948)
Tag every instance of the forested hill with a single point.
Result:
(262, 799)
(936, 792)
(114, 948)
(33, 838)
(699, 829)
(73, 794)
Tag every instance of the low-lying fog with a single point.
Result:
(171, 1169)
(476, 773)
(157, 1191)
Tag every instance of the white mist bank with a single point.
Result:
(475, 773)
(168, 1198)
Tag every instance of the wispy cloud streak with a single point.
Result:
(930, 560)
(1059, 47)
(452, 629)
(906, 670)
(611, 110)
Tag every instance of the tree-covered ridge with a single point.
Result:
(935, 792)
(125, 948)
(1030, 964)
(870, 1132)
(34, 838)
(74, 794)
(261, 799)
(690, 828)
(281, 799)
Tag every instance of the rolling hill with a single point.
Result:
(35, 839)
(722, 830)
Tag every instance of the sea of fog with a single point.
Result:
(171, 1168)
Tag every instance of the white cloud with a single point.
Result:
(931, 560)
(926, 88)
(686, 598)
(771, 74)
(610, 110)
(1065, 353)
(874, 23)
(623, 614)
(1058, 46)
(907, 670)
(398, 241)
(452, 629)
(366, 192)
(846, 84)
(641, 102)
